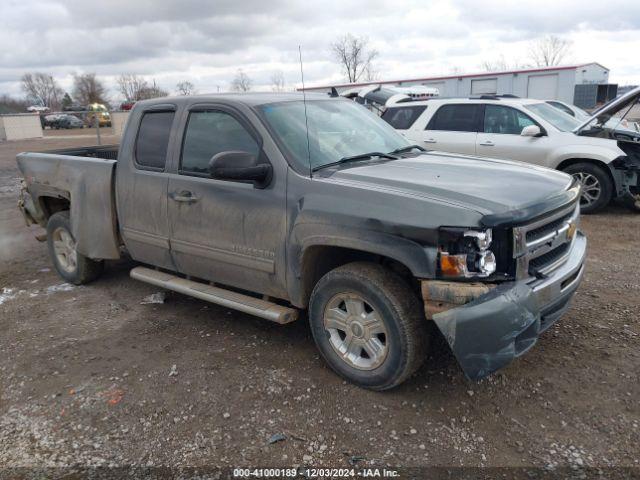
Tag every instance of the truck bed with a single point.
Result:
(105, 152)
(78, 179)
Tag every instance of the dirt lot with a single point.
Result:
(91, 376)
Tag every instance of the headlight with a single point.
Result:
(466, 253)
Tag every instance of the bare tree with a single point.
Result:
(185, 87)
(549, 50)
(88, 89)
(152, 91)
(42, 88)
(277, 81)
(131, 86)
(241, 82)
(499, 64)
(354, 56)
(371, 74)
(12, 105)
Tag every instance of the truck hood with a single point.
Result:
(488, 186)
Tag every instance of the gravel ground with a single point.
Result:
(93, 375)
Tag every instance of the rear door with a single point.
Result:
(501, 137)
(225, 231)
(142, 187)
(453, 128)
(402, 118)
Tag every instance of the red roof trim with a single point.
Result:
(466, 75)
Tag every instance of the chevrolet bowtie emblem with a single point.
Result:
(571, 231)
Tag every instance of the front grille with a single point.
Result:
(543, 230)
(543, 261)
(544, 244)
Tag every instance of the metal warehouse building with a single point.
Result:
(585, 85)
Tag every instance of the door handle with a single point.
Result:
(184, 196)
(430, 140)
(488, 143)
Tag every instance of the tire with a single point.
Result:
(388, 345)
(593, 179)
(71, 266)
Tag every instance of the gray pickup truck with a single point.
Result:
(272, 205)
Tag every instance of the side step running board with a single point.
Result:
(226, 298)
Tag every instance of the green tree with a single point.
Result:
(66, 101)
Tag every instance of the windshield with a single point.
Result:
(337, 129)
(560, 120)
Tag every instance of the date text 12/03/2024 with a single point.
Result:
(315, 473)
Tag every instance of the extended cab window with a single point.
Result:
(499, 119)
(153, 139)
(457, 118)
(209, 133)
(401, 118)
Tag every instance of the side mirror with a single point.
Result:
(531, 131)
(239, 166)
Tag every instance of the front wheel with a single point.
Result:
(71, 265)
(597, 187)
(368, 325)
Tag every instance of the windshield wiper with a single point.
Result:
(355, 158)
(408, 148)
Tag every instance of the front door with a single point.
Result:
(501, 137)
(225, 231)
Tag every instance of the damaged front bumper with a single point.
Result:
(490, 331)
(626, 174)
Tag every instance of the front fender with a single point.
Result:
(419, 259)
(588, 152)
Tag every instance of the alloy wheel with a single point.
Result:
(591, 188)
(64, 247)
(356, 331)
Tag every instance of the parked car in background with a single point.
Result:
(62, 120)
(293, 203)
(624, 128)
(600, 126)
(37, 108)
(74, 107)
(527, 130)
(69, 121)
(126, 106)
(100, 112)
(50, 120)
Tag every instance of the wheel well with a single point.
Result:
(572, 161)
(320, 260)
(51, 205)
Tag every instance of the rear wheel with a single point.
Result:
(70, 265)
(368, 325)
(597, 187)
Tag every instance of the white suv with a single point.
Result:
(529, 131)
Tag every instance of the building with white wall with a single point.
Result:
(547, 83)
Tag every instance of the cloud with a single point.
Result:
(206, 42)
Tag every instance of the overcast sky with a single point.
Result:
(206, 41)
